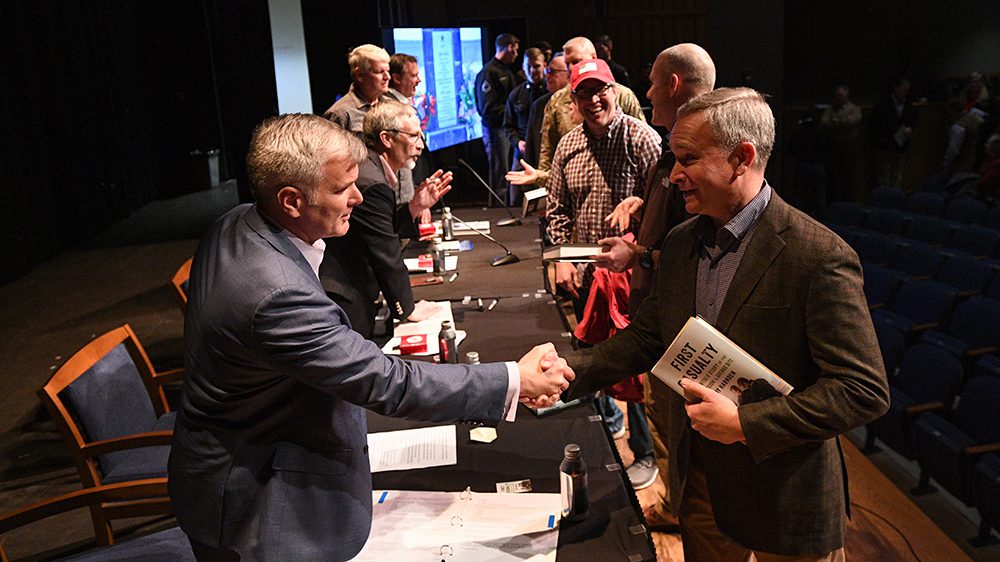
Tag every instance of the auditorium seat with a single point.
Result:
(919, 305)
(969, 275)
(947, 450)
(975, 240)
(891, 343)
(886, 221)
(924, 203)
(973, 329)
(918, 259)
(874, 247)
(986, 497)
(881, 284)
(965, 210)
(927, 380)
(932, 230)
(992, 219)
(844, 213)
(887, 197)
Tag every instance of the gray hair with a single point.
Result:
(292, 149)
(383, 116)
(360, 58)
(736, 115)
(577, 45)
(693, 64)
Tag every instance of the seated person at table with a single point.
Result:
(369, 258)
(269, 459)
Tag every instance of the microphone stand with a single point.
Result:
(512, 221)
(498, 260)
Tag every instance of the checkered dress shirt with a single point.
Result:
(590, 176)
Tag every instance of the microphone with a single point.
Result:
(498, 260)
(512, 221)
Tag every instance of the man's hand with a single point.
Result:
(429, 191)
(422, 310)
(624, 212)
(568, 278)
(522, 146)
(544, 375)
(715, 416)
(620, 254)
(526, 177)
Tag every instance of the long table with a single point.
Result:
(531, 447)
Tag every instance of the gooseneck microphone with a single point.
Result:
(512, 221)
(509, 257)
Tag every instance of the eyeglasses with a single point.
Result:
(550, 70)
(412, 136)
(588, 93)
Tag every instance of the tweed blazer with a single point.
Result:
(796, 304)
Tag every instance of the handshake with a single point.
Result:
(544, 376)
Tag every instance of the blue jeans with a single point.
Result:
(639, 440)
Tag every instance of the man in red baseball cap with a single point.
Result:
(593, 90)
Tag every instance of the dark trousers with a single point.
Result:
(498, 155)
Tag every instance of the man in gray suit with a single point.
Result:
(269, 460)
(787, 290)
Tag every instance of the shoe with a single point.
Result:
(616, 435)
(660, 520)
(643, 473)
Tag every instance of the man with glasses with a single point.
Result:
(556, 78)
(596, 166)
(560, 118)
(369, 259)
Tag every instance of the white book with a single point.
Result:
(703, 354)
(571, 252)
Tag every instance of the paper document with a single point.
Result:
(412, 448)
(431, 326)
(424, 264)
(462, 527)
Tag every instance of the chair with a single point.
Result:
(890, 342)
(107, 402)
(975, 240)
(919, 305)
(986, 497)
(935, 183)
(169, 544)
(966, 274)
(931, 230)
(918, 259)
(844, 213)
(887, 197)
(992, 219)
(928, 379)
(946, 451)
(180, 283)
(925, 203)
(881, 284)
(886, 221)
(874, 247)
(972, 330)
(965, 210)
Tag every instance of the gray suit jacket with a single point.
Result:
(269, 455)
(795, 303)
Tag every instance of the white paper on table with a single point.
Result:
(413, 265)
(462, 527)
(412, 448)
(430, 326)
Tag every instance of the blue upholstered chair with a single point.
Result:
(844, 213)
(170, 544)
(919, 305)
(925, 203)
(966, 210)
(972, 330)
(918, 259)
(975, 240)
(109, 406)
(881, 285)
(931, 230)
(986, 497)
(928, 380)
(947, 450)
(887, 197)
(969, 275)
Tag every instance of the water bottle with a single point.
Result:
(437, 256)
(448, 346)
(447, 224)
(472, 358)
(573, 484)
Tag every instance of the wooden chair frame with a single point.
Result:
(85, 453)
(182, 275)
(148, 495)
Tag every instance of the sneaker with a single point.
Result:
(619, 433)
(643, 473)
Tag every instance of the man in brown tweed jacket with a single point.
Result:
(766, 477)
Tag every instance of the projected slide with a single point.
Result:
(449, 59)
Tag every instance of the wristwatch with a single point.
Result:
(646, 259)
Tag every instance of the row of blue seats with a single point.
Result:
(963, 209)
(950, 427)
(882, 227)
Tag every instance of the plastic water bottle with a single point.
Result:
(447, 224)
(573, 484)
(448, 351)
